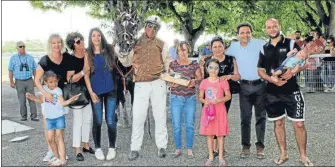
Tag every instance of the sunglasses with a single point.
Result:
(213, 67)
(150, 25)
(78, 42)
(22, 46)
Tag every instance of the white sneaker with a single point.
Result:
(111, 154)
(99, 154)
(48, 157)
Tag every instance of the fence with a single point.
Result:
(319, 75)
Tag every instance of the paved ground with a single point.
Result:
(319, 123)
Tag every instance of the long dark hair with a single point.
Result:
(106, 51)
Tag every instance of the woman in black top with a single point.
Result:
(82, 115)
(227, 68)
(57, 61)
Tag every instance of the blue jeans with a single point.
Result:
(180, 105)
(109, 100)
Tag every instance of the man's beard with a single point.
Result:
(278, 33)
(297, 38)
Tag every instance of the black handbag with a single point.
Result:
(72, 89)
(234, 85)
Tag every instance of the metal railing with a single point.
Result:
(319, 76)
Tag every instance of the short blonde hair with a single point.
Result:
(49, 44)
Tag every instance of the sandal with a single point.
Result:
(280, 161)
(52, 160)
(209, 162)
(176, 154)
(222, 163)
(190, 156)
(58, 162)
(307, 162)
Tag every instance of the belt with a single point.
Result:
(251, 82)
(23, 79)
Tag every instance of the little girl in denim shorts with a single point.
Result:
(54, 112)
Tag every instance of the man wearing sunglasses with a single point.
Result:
(150, 59)
(22, 67)
(252, 94)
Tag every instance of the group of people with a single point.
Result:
(248, 62)
(324, 76)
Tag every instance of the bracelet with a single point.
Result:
(82, 73)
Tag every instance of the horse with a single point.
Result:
(126, 26)
(126, 86)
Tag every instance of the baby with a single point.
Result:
(296, 59)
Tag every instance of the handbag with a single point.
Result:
(72, 89)
(210, 114)
(234, 85)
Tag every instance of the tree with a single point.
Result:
(317, 15)
(192, 18)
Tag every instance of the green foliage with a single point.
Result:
(31, 46)
(221, 16)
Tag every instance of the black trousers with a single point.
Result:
(252, 95)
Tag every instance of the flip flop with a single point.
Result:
(307, 162)
(222, 163)
(176, 155)
(280, 161)
(209, 162)
(190, 156)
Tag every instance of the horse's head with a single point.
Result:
(126, 27)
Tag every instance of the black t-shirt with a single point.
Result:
(60, 69)
(77, 65)
(226, 67)
(272, 57)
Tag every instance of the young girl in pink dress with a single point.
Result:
(217, 93)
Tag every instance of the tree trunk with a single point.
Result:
(331, 28)
(192, 39)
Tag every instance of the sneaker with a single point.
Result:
(99, 154)
(111, 154)
(327, 90)
(245, 153)
(162, 153)
(133, 155)
(48, 157)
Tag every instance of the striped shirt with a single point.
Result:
(17, 61)
(188, 71)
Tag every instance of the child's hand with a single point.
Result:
(215, 101)
(29, 96)
(206, 103)
(75, 97)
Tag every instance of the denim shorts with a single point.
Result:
(56, 123)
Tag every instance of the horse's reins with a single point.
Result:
(124, 76)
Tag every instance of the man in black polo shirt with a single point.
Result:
(283, 97)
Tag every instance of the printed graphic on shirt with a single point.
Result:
(211, 93)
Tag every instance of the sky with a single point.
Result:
(22, 22)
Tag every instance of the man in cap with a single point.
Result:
(22, 67)
(150, 59)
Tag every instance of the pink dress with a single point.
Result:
(219, 125)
